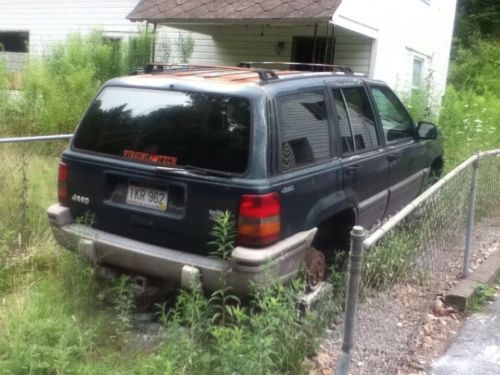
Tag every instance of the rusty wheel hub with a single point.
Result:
(316, 268)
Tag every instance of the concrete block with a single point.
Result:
(488, 271)
(461, 293)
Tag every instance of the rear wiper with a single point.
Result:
(194, 169)
(206, 172)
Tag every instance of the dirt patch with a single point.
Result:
(402, 330)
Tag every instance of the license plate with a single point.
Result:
(146, 197)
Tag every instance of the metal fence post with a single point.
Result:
(351, 304)
(470, 218)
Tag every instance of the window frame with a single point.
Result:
(279, 132)
(376, 124)
(379, 120)
(421, 78)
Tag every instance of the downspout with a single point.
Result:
(326, 44)
(153, 50)
(334, 42)
(314, 45)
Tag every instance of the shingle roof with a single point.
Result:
(232, 10)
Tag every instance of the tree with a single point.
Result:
(477, 19)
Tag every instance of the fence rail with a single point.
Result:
(54, 137)
(410, 259)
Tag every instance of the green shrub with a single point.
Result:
(470, 123)
(4, 95)
(390, 261)
(476, 68)
(138, 52)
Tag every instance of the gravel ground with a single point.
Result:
(403, 329)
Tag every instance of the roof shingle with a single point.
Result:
(236, 10)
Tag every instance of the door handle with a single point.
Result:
(394, 156)
(351, 169)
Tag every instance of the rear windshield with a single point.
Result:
(168, 128)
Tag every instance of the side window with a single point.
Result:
(395, 120)
(355, 119)
(305, 135)
(343, 120)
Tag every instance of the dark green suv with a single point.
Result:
(298, 158)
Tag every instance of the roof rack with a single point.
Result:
(333, 68)
(265, 75)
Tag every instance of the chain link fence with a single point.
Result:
(408, 262)
(415, 257)
(28, 184)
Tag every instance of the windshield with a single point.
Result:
(168, 128)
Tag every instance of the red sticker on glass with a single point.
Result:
(154, 158)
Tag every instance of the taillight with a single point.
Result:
(259, 219)
(62, 186)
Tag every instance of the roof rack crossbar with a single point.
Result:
(265, 75)
(334, 68)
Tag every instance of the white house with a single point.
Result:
(402, 42)
(398, 41)
(33, 26)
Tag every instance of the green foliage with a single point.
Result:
(482, 294)
(477, 18)
(186, 47)
(4, 94)
(470, 123)
(138, 52)
(223, 234)
(470, 114)
(58, 88)
(226, 306)
(51, 320)
(124, 303)
(4, 81)
(390, 261)
(476, 68)
(419, 101)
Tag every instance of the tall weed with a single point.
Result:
(475, 68)
(470, 123)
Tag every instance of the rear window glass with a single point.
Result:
(168, 128)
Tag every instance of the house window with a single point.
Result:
(418, 69)
(11, 41)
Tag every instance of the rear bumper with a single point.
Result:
(278, 262)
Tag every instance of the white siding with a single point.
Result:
(14, 60)
(230, 44)
(50, 21)
(404, 30)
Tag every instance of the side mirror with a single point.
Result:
(426, 130)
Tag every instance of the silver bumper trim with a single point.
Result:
(277, 262)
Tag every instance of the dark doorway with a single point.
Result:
(14, 41)
(304, 50)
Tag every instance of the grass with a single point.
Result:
(482, 294)
(390, 261)
(52, 320)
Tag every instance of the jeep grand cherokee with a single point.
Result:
(297, 157)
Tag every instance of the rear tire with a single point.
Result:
(316, 268)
